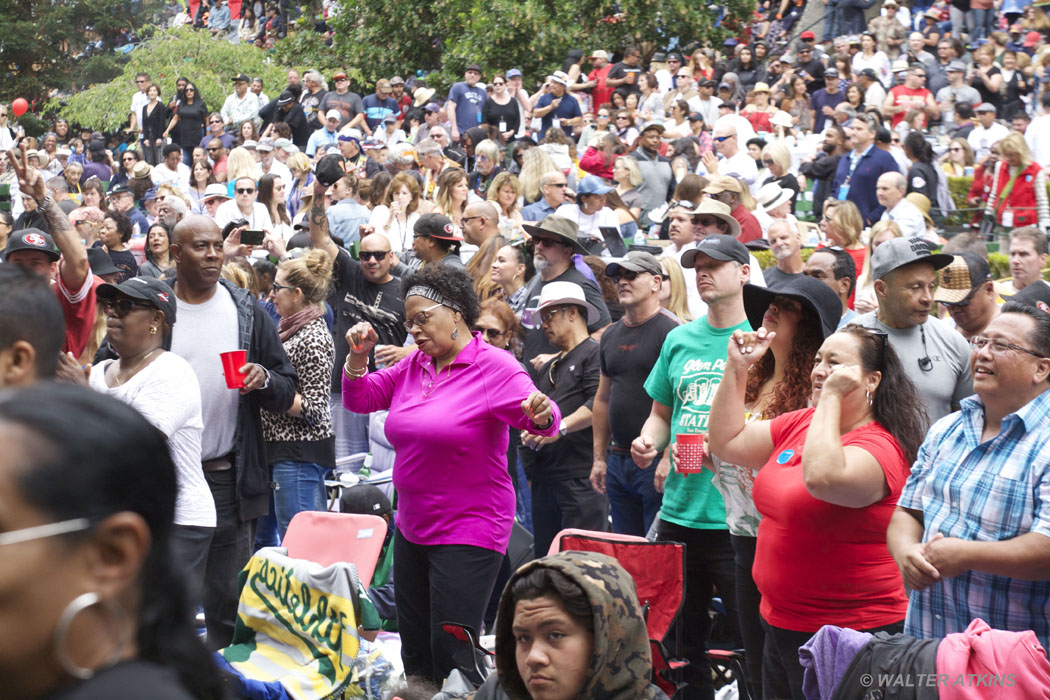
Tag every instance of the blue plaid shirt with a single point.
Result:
(988, 492)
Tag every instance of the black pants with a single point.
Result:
(781, 670)
(748, 600)
(708, 566)
(190, 545)
(557, 505)
(231, 547)
(435, 584)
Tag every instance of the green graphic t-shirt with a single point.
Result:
(686, 377)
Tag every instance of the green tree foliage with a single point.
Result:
(207, 62)
(441, 37)
(41, 40)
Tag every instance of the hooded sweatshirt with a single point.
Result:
(621, 665)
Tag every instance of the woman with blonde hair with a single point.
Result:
(505, 194)
(673, 296)
(865, 299)
(300, 444)
(480, 269)
(452, 193)
(777, 159)
(957, 158)
(535, 163)
(487, 157)
(1018, 196)
(396, 216)
(302, 181)
(241, 163)
(628, 176)
(842, 225)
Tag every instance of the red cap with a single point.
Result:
(807, 35)
(1031, 39)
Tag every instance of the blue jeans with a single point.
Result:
(983, 22)
(831, 20)
(633, 499)
(300, 486)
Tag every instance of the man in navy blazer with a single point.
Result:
(859, 170)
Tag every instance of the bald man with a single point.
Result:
(889, 190)
(480, 222)
(215, 316)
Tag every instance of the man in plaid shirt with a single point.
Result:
(971, 533)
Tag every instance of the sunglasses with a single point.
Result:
(491, 333)
(373, 254)
(621, 119)
(705, 221)
(559, 185)
(720, 139)
(629, 275)
(767, 161)
(499, 83)
(215, 121)
(245, 190)
(122, 307)
(212, 150)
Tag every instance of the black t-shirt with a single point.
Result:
(621, 70)
(493, 113)
(191, 123)
(347, 104)
(536, 342)
(311, 103)
(127, 680)
(628, 354)
(355, 299)
(570, 381)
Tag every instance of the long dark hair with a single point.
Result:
(794, 390)
(93, 456)
(897, 404)
(149, 251)
(266, 198)
(918, 147)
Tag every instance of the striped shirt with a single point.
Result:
(987, 492)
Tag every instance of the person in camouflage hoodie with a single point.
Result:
(570, 626)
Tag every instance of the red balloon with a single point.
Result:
(19, 106)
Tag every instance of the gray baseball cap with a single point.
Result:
(898, 252)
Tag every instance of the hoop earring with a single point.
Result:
(867, 395)
(76, 606)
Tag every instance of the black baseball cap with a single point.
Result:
(1036, 294)
(241, 77)
(32, 239)
(719, 247)
(145, 289)
(436, 226)
(101, 263)
(285, 97)
(364, 499)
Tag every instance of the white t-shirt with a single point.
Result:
(259, 220)
(202, 333)
(589, 224)
(166, 393)
(180, 177)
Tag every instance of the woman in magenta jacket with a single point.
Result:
(450, 403)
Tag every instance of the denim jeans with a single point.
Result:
(983, 22)
(300, 486)
(831, 20)
(633, 499)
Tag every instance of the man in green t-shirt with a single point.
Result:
(682, 385)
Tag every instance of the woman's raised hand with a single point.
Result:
(362, 338)
(842, 380)
(745, 349)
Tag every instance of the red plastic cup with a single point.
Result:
(690, 453)
(232, 362)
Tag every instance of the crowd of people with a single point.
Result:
(549, 309)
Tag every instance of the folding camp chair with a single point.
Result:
(329, 538)
(658, 570)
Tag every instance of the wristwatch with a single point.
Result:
(563, 431)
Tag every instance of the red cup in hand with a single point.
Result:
(232, 362)
(690, 453)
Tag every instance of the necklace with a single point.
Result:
(135, 369)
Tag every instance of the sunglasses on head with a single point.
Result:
(373, 254)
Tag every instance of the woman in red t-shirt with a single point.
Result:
(828, 481)
(842, 225)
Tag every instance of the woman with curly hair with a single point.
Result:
(450, 401)
(803, 312)
(452, 193)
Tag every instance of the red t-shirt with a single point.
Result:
(911, 99)
(78, 308)
(821, 564)
(600, 93)
(750, 229)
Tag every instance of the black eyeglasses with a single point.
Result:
(279, 287)
(465, 219)
(122, 307)
(245, 190)
(373, 254)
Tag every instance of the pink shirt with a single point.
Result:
(451, 441)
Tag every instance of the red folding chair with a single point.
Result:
(327, 538)
(658, 570)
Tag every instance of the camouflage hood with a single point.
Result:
(621, 666)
